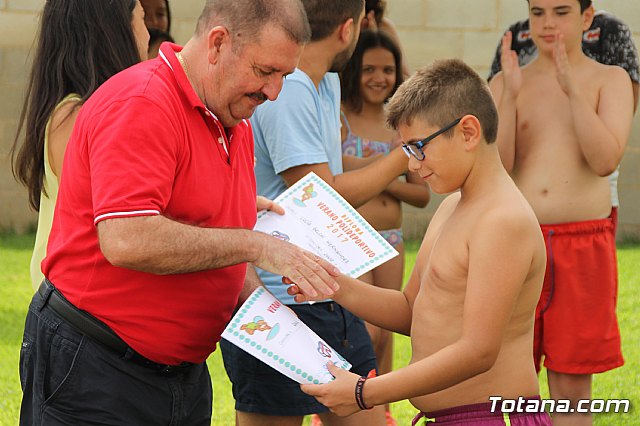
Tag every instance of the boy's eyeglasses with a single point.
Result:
(415, 149)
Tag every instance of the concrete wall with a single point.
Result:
(19, 21)
(429, 29)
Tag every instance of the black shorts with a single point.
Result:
(68, 378)
(258, 388)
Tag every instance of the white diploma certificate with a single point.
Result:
(319, 220)
(272, 332)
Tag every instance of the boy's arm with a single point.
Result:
(505, 88)
(496, 273)
(385, 308)
(414, 191)
(416, 194)
(388, 309)
(351, 162)
(496, 65)
(602, 132)
(357, 186)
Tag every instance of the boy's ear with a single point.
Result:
(587, 17)
(471, 131)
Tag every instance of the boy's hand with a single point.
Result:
(563, 68)
(295, 291)
(511, 71)
(300, 297)
(338, 395)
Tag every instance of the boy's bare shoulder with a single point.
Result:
(617, 74)
(444, 210)
(602, 73)
(450, 201)
(508, 214)
(496, 79)
(436, 224)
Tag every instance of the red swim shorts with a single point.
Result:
(576, 329)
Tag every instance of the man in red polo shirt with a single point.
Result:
(152, 232)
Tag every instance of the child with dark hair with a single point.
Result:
(470, 301)
(559, 148)
(369, 79)
(70, 63)
(374, 19)
(608, 40)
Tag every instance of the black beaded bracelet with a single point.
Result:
(359, 391)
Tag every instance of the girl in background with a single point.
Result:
(80, 45)
(374, 19)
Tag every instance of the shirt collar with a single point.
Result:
(167, 53)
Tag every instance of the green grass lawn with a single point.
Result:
(15, 293)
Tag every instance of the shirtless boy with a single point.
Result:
(564, 124)
(469, 303)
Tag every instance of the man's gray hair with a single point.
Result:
(245, 19)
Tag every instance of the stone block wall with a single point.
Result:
(19, 20)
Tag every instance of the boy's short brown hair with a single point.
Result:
(442, 92)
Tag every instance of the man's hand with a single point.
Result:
(338, 395)
(511, 71)
(263, 203)
(314, 276)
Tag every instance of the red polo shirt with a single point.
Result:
(144, 144)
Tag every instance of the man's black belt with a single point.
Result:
(90, 326)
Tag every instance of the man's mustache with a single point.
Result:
(258, 96)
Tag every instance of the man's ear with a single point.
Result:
(471, 131)
(345, 31)
(217, 38)
(587, 17)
